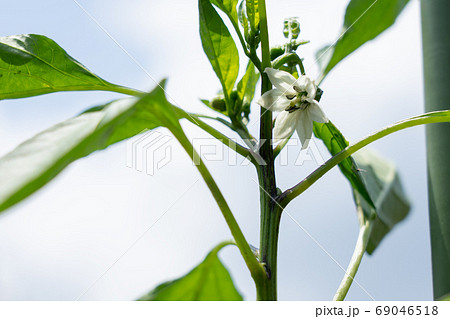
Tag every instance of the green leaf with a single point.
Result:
(33, 64)
(209, 281)
(364, 21)
(229, 8)
(219, 46)
(246, 88)
(385, 188)
(335, 142)
(253, 14)
(38, 160)
(242, 17)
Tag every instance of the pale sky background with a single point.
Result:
(57, 243)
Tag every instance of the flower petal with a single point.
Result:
(282, 80)
(284, 125)
(274, 100)
(316, 113)
(311, 89)
(304, 129)
(302, 82)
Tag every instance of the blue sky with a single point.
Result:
(70, 238)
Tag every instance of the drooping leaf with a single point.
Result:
(335, 142)
(219, 46)
(246, 88)
(364, 21)
(209, 281)
(385, 188)
(38, 160)
(33, 64)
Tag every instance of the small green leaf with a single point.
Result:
(219, 46)
(364, 21)
(229, 8)
(33, 64)
(385, 188)
(242, 16)
(206, 102)
(246, 88)
(253, 15)
(209, 281)
(38, 160)
(335, 142)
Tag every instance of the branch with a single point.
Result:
(427, 118)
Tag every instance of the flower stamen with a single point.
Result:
(291, 95)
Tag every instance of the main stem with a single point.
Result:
(270, 211)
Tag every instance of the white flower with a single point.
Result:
(294, 99)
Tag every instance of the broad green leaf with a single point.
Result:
(253, 14)
(246, 88)
(219, 46)
(38, 160)
(229, 8)
(33, 64)
(364, 21)
(209, 281)
(385, 188)
(335, 142)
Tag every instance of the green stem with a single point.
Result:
(277, 150)
(250, 54)
(255, 268)
(289, 58)
(215, 118)
(239, 34)
(221, 245)
(264, 33)
(194, 119)
(358, 253)
(270, 212)
(436, 53)
(427, 118)
(125, 90)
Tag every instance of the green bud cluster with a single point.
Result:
(251, 33)
(291, 28)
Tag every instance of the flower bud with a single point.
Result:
(295, 28)
(218, 103)
(291, 28)
(286, 29)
